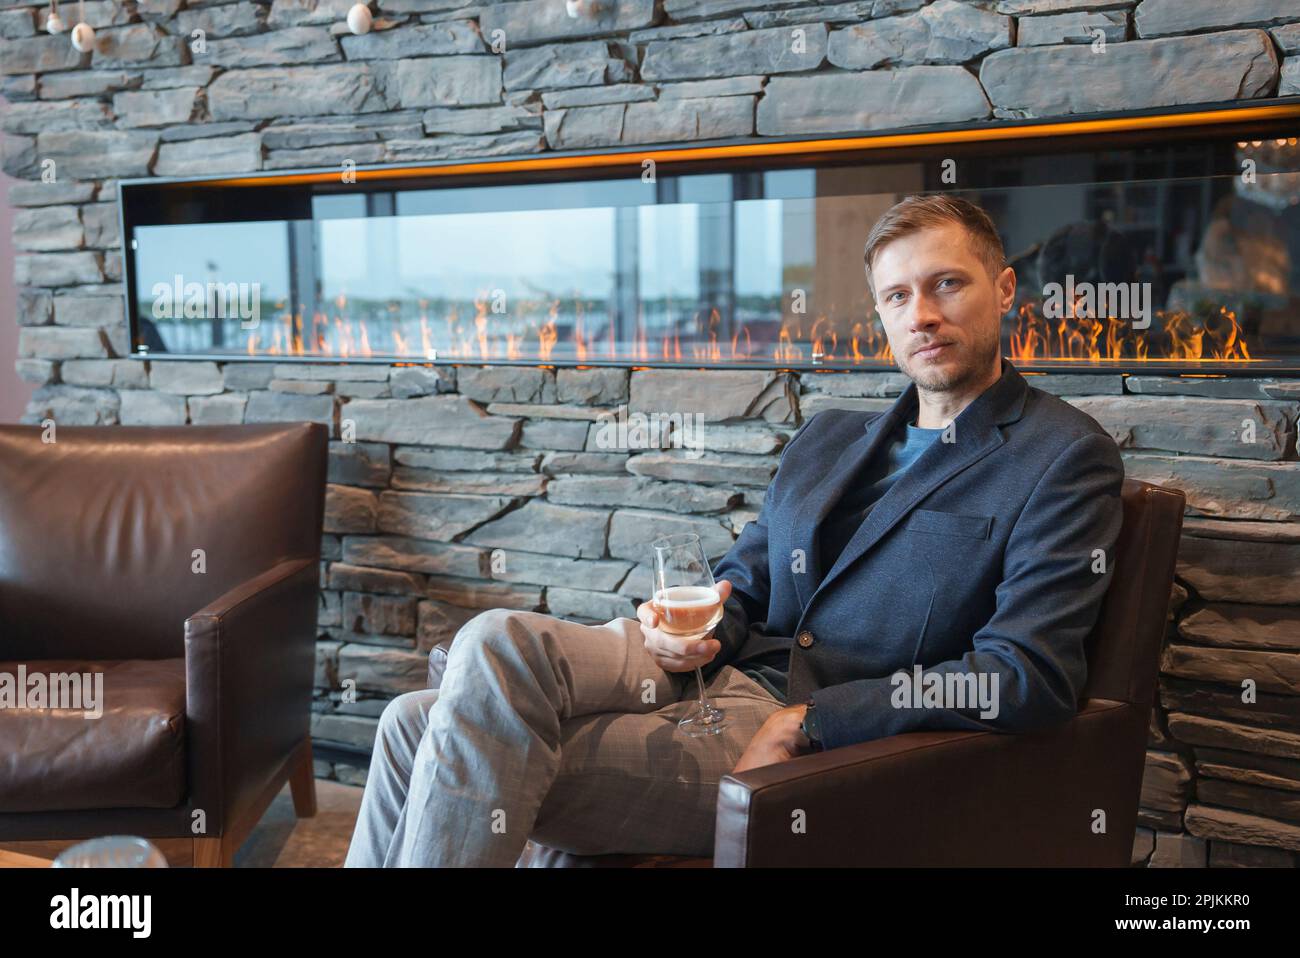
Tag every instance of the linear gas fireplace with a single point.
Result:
(1157, 241)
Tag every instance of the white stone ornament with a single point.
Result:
(83, 37)
(359, 19)
(54, 23)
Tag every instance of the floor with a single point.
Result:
(280, 840)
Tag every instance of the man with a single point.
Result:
(954, 546)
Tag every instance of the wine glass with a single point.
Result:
(689, 607)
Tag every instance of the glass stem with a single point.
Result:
(699, 677)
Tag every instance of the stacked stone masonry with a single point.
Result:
(469, 487)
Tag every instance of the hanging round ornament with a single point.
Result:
(359, 19)
(83, 37)
(83, 34)
(54, 22)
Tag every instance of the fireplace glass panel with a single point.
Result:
(1123, 258)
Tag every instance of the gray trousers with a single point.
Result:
(555, 731)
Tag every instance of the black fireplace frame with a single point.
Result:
(1266, 119)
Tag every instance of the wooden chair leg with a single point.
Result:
(220, 852)
(302, 784)
(215, 852)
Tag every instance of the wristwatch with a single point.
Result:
(810, 727)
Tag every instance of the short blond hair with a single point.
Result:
(916, 213)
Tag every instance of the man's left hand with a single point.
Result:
(779, 739)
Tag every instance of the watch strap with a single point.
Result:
(810, 726)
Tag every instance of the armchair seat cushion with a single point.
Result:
(59, 759)
(540, 856)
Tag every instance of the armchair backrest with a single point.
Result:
(104, 531)
(1124, 647)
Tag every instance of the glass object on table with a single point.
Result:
(112, 851)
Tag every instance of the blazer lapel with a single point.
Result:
(821, 499)
(976, 433)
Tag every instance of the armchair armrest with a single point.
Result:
(945, 798)
(249, 672)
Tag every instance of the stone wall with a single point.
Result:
(471, 487)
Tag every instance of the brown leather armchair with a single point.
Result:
(973, 798)
(183, 564)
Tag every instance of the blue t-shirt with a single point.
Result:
(771, 669)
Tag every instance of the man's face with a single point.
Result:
(941, 310)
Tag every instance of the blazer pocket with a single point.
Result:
(949, 524)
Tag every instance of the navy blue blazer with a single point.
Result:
(986, 556)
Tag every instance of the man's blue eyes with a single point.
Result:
(892, 296)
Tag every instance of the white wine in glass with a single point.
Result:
(689, 607)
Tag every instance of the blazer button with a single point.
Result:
(805, 639)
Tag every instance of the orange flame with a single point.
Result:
(1176, 336)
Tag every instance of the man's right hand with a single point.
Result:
(671, 652)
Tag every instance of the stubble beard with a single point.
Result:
(942, 380)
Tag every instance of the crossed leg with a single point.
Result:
(636, 784)
(548, 729)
